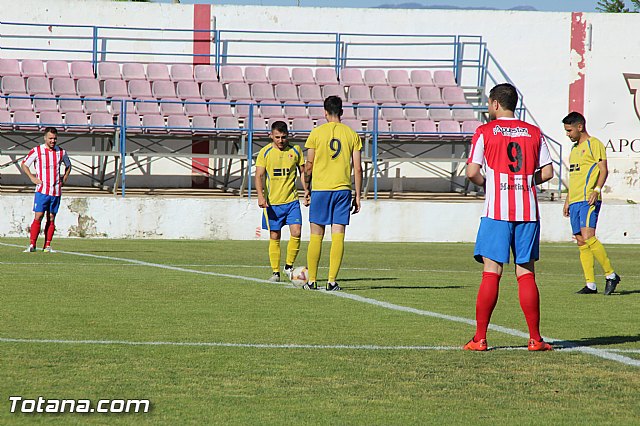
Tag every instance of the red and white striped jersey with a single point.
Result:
(510, 151)
(47, 163)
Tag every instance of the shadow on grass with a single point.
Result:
(598, 341)
(626, 292)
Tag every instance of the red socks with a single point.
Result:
(33, 234)
(530, 304)
(49, 229)
(485, 303)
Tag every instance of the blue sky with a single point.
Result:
(543, 5)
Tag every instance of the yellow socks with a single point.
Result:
(335, 256)
(600, 254)
(313, 255)
(586, 259)
(292, 249)
(274, 255)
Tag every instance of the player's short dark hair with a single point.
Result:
(280, 126)
(51, 130)
(506, 95)
(574, 118)
(333, 105)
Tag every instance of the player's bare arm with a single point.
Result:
(543, 174)
(357, 176)
(67, 172)
(604, 172)
(305, 184)
(33, 178)
(474, 174)
(260, 172)
(308, 170)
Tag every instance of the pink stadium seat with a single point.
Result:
(375, 77)
(227, 123)
(383, 128)
(202, 73)
(429, 95)
(163, 89)
(76, 122)
(153, 123)
(117, 103)
(258, 120)
(311, 93)
(295, 111)
(301, 76)
(272, 120)
(25, 120)
(449, 127)
(279, 75)
(158, 72)
(70, 105)
(220, 110)
(13, 84)
(359, 94)
(262, 92)
(365, 111)
(347, 111)
(326, 77)
(470, 126)
(9, 67)
(407, 95)
(19, 104)
(272, 111)
(100, 122)
(171, 106)
(453, 95)
(32, 68)
(421, 78)
(317, 112)
(286, 92)
(398, 78)
(238, 92)
(195, 106)
(427, 128)
(321, 121)
(115, 89)
(255, 75)
(402, 129)
(106, 71)
(351, 77)
(45, 105)
(444, 78)
(133, 71)
(147, 105)
(180, 123)
(463, 112)
(38, 86)
(95, 106)
(439, 112)
(5, 120)
(187, 90)
(416, 111)
(57, 69)
(3, 104)
(84, 70)
(231, 74)
(140, 89)
(180, 72)
(334, 91)
(203, 124)
(88, 88)
(383, 94)
(133, 123)
(63, 87)
(353, 124)
(212, 90)
(392, 111)
(51, 118)
(301, 125)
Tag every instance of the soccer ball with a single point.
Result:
(300, 276)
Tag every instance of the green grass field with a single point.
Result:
(98, 326)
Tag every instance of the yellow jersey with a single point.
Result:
(334, 144)
(281, 172)
(583, 168)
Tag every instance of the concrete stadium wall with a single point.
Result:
(240, 219)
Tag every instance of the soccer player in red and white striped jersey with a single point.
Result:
(47, 160)
(514, 158)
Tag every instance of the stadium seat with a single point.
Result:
(227, 125)
(421, 78)
(398, 78)
(5, 120)
(262, 92)
(279, 75)
(402, 129)
(202, 124)
(25, 120)
(139, 89)
(57, 69)
(326, 77)
(286, 92)
(195, 106)
(439, 112)
(295, 111)
(351, 77)
(429, 95)
(100, 122)
(76, 122)
(365, 111)
(171, 106)
(88, 88)
(391, 111)
(70, 105)
(258, 119)
(212, 90)
(158, 72)
(163, 89)
(81, 69)
(407, 95)
(116, 105)
(383, 94)
(470, 126)
(32, 68)
(444, 78)
(448, 128)
(311, 93)
(188, 89)
(334, 91)
(92, 106)
(153, 123)
(132, 123)
(383, 128)
(45, 105)
(51, 118)
(147, 106)
(238, 92)
(231, 74)
(353, 124)
(106, 71)
(317, 112)
(3, 104)
(463, 112)
(181, 72)
(202, 73)
(416, 111)
(359, 94)
(255, 74)
(375, 77)
(9, 67)
(301, 76)
(453, 95)
(62, 87)
(19, 102)
(115, 89)
(220, 110)
(426, 129)
(13, 84)
(180, 124)
(272, 111)
(321, 121)
(133, 71)
(38, 86)
(301, 125)
(348, 112)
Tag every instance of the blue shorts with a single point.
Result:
(46, 203)
(496, 238)
(281, 215)
(330, 207)
(583, 215)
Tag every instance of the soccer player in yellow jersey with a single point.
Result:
(280, 163)
(333, 152)
(587, 175)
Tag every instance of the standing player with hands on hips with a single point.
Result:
(514, 158)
